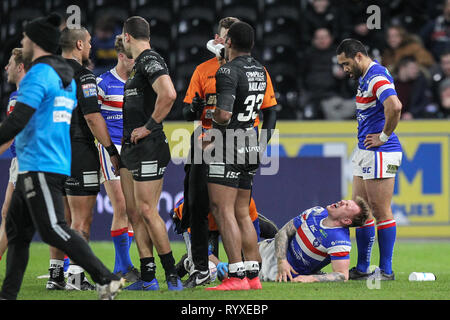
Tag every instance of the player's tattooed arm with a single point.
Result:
(329, 277)
(285, 270)
(282, 239)
(340, 273)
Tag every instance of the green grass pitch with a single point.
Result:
(409, 256)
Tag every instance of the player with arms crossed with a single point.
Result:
(315, 238)
(241, 85)
(378, 157)
(82, 187)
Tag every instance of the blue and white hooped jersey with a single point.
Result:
(314, 245)
(11, 104)
(375, 86)
(110, 98)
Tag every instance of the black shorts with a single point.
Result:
(147, 160)
(84, 179)
(231, 175)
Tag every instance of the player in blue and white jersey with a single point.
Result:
(15, 69)
(379, 154)
(315, 238)
(110, 98)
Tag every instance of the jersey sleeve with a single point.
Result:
(269, 97)
(381, 87)
(153, 68)
(195, 85)
(32, 89)
(87, 98)
(101, 91)
(226, 85)
(339, 248)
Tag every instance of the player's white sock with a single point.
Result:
(236, 270)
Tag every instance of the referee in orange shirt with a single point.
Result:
(200, 102)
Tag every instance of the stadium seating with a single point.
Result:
(248, 11)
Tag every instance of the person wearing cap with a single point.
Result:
(40, 124)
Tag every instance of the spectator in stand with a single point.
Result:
(354, 24)
(436, 33)
(319, 14)
(104, 55)
(323, 79)
(412, 89)
(444, 107)
(439, 73)
(402, 44)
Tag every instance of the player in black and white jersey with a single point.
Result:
(148, 97)
(82, 187)
(240, 85)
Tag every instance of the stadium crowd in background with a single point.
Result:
(285, 32)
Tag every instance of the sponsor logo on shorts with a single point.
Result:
(149, 168)
(90, 179)
(391, 168)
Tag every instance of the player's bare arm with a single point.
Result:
(340, 273)
(281, 244)
(163, 87)
(392, 112)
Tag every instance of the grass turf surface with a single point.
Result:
(409, 256)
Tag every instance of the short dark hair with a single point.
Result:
(69, 38)
(137, 27)
(364, 214)
(350, 47)
(226, 23)
(242, 36)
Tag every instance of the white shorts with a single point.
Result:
(376, 164)
(269, 265)
(13, 171)
(106, 167)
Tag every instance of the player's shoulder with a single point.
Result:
(149, 56)
(376, 71)
(105, 78)
(208, 67)
(13, 95)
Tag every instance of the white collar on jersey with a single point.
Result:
(115, 74)
(370, 66)
(324, 227)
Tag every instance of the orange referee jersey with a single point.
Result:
(203, 81)
(211, 222)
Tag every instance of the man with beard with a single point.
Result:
(83, 184)
(148, 97)
(41, 121)
(378, 156)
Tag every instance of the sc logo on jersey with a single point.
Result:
(367, 169)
